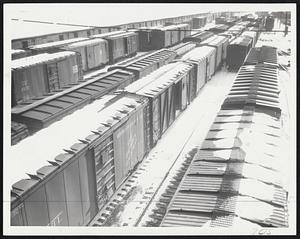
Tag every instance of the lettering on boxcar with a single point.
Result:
(56, 220)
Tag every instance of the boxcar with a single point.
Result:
(120, 44)
(94, 52)
(79, 181)
(37, 75)
(198, 22)
(269, 23)
(164, 37)
(251, 34)
(220, 43)
(237, 50)
(201, 61)
(19, 53)
(210, 54)
(170, 89)
(41, 114)
(145, 36)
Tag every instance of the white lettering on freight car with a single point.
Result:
(56, 220)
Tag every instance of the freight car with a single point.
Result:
(43, 113)
(18, 132)
(198, 22)
(79, 181)
(226, 171)
(220, 43)
(169, 35)
(38, 75)
(145, 38)
(169, 90)
(121, 44)
(269, 23)
(237, 50)
(16, 54)
(94, 53)
(251, 34)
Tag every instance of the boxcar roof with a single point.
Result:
(141, 83)
(106, 34)
(243, 40)
(86, 43)
(33, 152)
(39, 59)
(158, 83)
(56, 43)
(198, 53)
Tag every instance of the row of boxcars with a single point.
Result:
(235, 177)
(48, 60)
(49, 65)
(37, 113)
(111, 135)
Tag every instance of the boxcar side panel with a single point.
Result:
(56, 199)
(36, 208)
(73, 195)
(88, 188)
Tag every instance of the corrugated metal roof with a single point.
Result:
(261, 212)
(39, 59)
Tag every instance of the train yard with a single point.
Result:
(172, 125)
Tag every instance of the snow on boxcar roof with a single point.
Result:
(39, 59)
(198, 53)
(57, 43)
(244, 40)
(163, 82)
(106, 34)
(33, 152)
(139, 84)
(85, 43)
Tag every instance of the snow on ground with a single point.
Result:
(192, 126)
